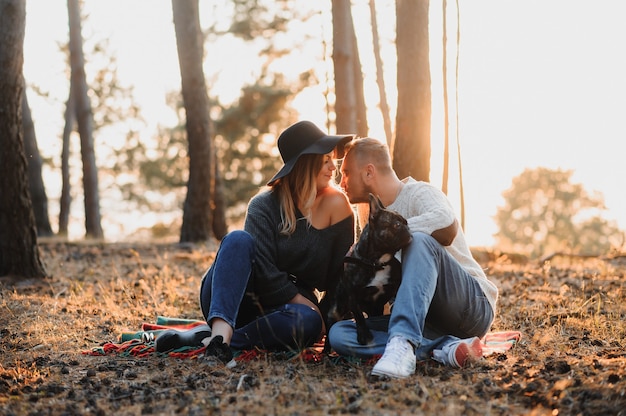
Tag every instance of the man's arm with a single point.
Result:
(445, 236)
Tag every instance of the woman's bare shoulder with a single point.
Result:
(332, 195)
(336, 203)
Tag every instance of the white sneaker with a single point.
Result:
(398, 361)
(460, 353)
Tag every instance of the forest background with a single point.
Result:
(539, 84)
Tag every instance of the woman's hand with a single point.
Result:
(304, 301)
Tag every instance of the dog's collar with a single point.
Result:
(360, 261)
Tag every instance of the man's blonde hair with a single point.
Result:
(369, 150)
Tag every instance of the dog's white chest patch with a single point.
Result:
(381, 277)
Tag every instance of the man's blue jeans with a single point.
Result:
(226, 293)
(437, 303)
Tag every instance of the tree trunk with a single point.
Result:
(411, 151)
(362, 128)
(84, 118)
(444, 70)
(66, 199)
(380, 79)
(343, 63)
(19, 252)
(189, 41)
(456, 113)
(38, 196)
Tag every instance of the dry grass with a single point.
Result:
(572, 359)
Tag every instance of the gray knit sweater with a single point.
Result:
(427, 209)
(312, 258)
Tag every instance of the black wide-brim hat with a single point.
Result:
(305, 138)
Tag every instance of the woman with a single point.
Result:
(261, 289)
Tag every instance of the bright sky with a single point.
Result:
(541, 84)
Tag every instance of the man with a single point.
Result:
(445, 301)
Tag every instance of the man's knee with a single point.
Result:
(421, 238)
(423, 242)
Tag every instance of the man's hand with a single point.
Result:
(445, 236)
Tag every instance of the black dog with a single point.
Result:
(371, 274)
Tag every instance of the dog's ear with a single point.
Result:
(375, 206)
(380, 203)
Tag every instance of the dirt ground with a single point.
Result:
(570, 361)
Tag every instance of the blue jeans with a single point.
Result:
(438, 302)
(226, 293)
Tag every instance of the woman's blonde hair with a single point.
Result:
(299, 186)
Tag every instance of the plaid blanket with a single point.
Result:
(141, 343)
(500, 342)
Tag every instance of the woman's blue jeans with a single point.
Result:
(438, 302)
(226, 293)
